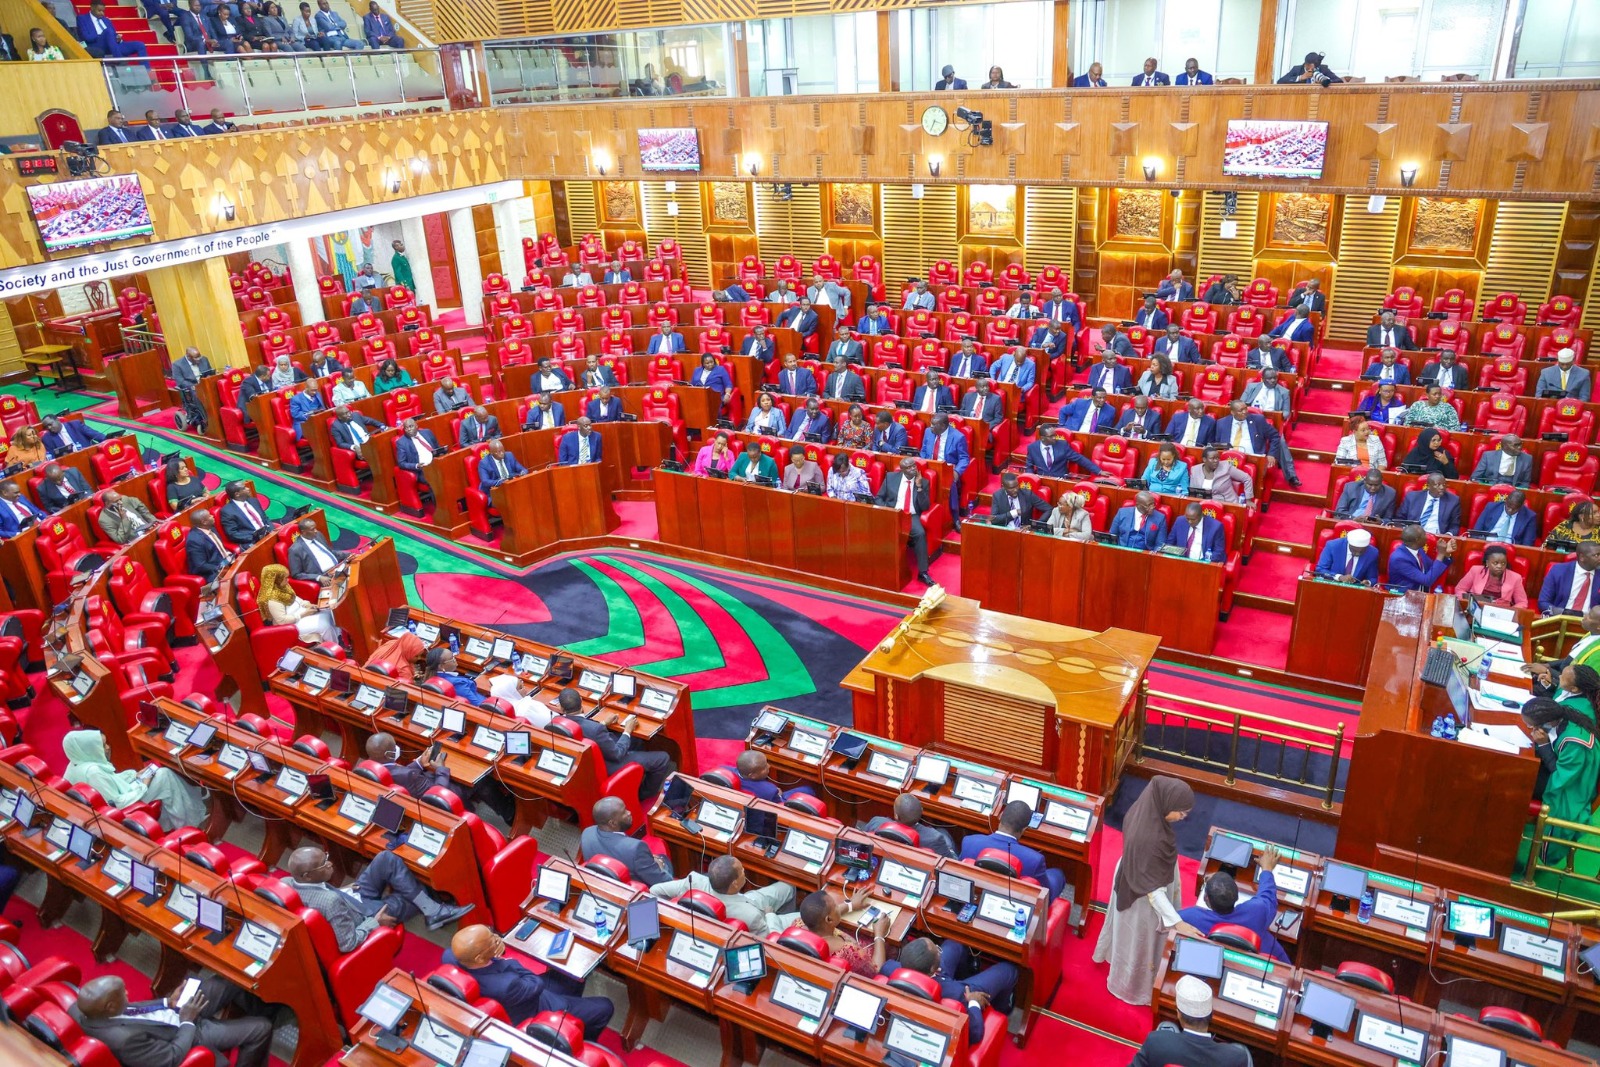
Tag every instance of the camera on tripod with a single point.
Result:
(976, 124)
(80, 157)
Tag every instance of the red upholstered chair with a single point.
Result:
(254, 298)
(564, 1033)
(677, 291)
(809, 803)
(1117, 457)
(591, 250)
(754, 313)
(1560, 311)
(1012, 276)
(1142, 340)
(959, 326)
(869, 272)
(943, 272)
(500, 306)
(1260, 293)
(132, 631)
(1507, 307)
(703, 903)
(435, 366)
(828, 267)
(708, 314)
(273, 320)
(1365, 976)
(1558, 338)
(322, 334)
(1002, 331)
(276, 344)
(798, 939)
(64, 551)
(27, 626)
(374, 350)
(548, 299)
(506, 877)
(1510, 1021)
(1501, 414)
(481, 516)
(398, 296)
(928, 353)
(788, 269)
(1214, 385)
(1247, 321)
(454, 982)
(999, 861)
(1570, 465)
(1053, 277)
(268, 643)
(664, 370)
(591, 296)
(615, 318)
(16, 413)
(495, 283)
(236, 433)
(1235, 936)
(661, 313)
(1405, 302)
(991, 301)
(887, 351)
(1569, 416)
(366, 326)
(913, 426)
(329, 285)
(514, 352)
(616, 343)
(986, 1053)
(750, 271)
(134, 593)
(113, 459)
(1504, 374)
(1504, 340)
(1455, 304)
(977, 274)
(610, 867)
(132, 302)
(567, 346)
(661, 405)
(1198, 318)
(657, 271)
(953, 298)
(520, 326)
(1450, 334)
(400, 405)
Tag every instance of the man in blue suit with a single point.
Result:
(1192, 74)
(1095, 79)
(1388, 368)
(1175, 287)
(945, 442)
(1350, 558)
(100, 38)
(1410, 566)
(304, 404)
(1055, 458)
(545, 414)
(1199, 535)
(63, 486)
(69, 436)
(1051, 337)
(1219, 902)
(1368, 498)
(666, 342)
(197, 34)
(605, 407)
(1435, 509)
(1088, 414)
(1014, 819)
(352, 430)
(1151, 317)
(1176, 347)
(1254, 434)
(116, 130)
(1139, 524)
(758, 344)
(810, 423)
(1140, 419)
(1151, 76)
(1059, 309)
(984, 403)
(1016, 368)
(1192, 427)
(203, 552)
(584, 446)
(1110, 375)
(497, 465)
(875, 322)
(968, 361)
(948, 80)
(1266, 354)
(416, 448)
(16, 510)
(480, 952)
(795, 380)
(800, 319)
(1296, 327)
(1572, 587)
(1509, 521)
(887, 435)
(931, 395)
(378, 28)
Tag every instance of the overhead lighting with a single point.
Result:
(1408, 174)
(392, 180)
(752, 163)
(1152, 166)
(224, 207)
(601, 164)
(934, 163)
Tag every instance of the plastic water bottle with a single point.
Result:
(1483, 669)
(602, 926)
(1364, 912)
(455, 644)
(1019, 925)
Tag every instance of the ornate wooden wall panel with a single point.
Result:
(1591, 303)
(582, 215)
(1227, 256)
(1580, 235)
(1365, 272)
(687, 227)
(1433, 281)
(1085, 249)
(917, 232)
(1522, 252)
(1051, 219)
(793, 225)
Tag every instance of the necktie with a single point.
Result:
(1238, 433)
(909, 490)
(1350, 561)
(938, 451)
(500, 465)
(1011, 372)
(1388, 338)
(583, 449)
(1582, 597)
(1367, 501)
(252, 515)
(1188, 546)
(1563, 380)
(1427, 514)
(1049, 456)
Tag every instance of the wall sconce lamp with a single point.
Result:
(1152, 166)
(419, 166)
(601, 164)
(392, 180)
(1408, 174)
(934, 163)
(224, 207)
(752, 163)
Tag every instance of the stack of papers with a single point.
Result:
(1502, 622)
(1495, 696)
(1498, 738)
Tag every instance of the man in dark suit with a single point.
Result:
(198, 37)
(1175, 287)
(961, 977)
(908, 812)
(101, 41)
(497, 465)
(257, 382)
(1151, 76)
(1192, 427)
(795, 380)
(480, 952)
(1296, 327)
(1410, 566)
(1109, 374)
(1386, 333)
(844, 383)
(545, 414)
(609, 837)
(1312, 72)
(1055, 458)
(1267, 354)
(1139, 524)
(1508, 521)
(1572, 587)
(875, 321)
(1113, 340)
(243, 518)
(1252, 433)
(800, 318)
(984, 403)
(887, 435)
(323, 366)
(810, 423)
(616, 274)
(203, 551)
(416, 777)
(352, 430)
(932, 394)
(8, 46)
(1088, 414)
(62, 486)
(967, 361)
(1095, 79)
(219, 123)
(596, 374)
(1139, 419)
(416, 447)
(1193, 75)
(1014, 504)
(667, 341)
(156, 1033)
(16, 511)
(1150, 316)
(1014, 819)
(1190, 1043)
(1199, 535)
(948, 80)
(604, 407)
(584, 446)
(1351, 558)
(1509, 463)
(1369, 497)
(311, 557)
(153, 128)
(1446, 371)
(845, 345)
(1017, 368)
(616, 746)
(1435, 509)
(68, 436)
(1310, 296)
(906, 490)
(1059, 309)
(758, 344)
(1176, 347)
(1051, 337)
(1388, 368)
(304, 404)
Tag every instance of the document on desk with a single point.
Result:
(1497, 696)
(1502, 622)
(854, 918)
(1498, 738)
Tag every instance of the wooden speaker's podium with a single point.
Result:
(1056, 702)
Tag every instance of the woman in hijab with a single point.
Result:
(1429, 455)
(88, 764)
(401, 654)
(1145, 894)
(283, 607)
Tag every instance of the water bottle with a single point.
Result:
(1483, 669)
(602, 926)
(1019, 925)
(1364, 912)
(455, 644)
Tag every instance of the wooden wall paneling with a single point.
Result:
(583, 215)
(792, 225)
(483, 228)
(1580, 235)
(544, 206)
(1186, 231)
(1086, 249)
(996, 255)
(10, 345)
(1365, 271)
(1050, 219)
(78, 86)
(849, 249)
(1227, 256)
(1286, 273)
(687, 227)
(1523, 251)
(916, 232)
(726, 250)
(1591, 303)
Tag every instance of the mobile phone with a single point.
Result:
(967, 913)
(433, 752)
(1033, 823)
(186, 993)
(870, 916)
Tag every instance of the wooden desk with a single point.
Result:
(1232, 1021)
(551, 505)
(291, 976)
(1334, 628)
(139, 381)
(52, 361)
(1294, 866)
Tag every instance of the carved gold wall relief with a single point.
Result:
(1446, 224)
(620, 202)
(730, 203)
(1300, 219)
(1138, 214)
(853, 206)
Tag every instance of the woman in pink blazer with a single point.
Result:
(1493, 580)
(717, 454)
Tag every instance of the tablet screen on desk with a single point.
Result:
(1251, 992)
(624, 686)
(770, 722)
(806, 846)
(591, 909)
(81, 843)
(921, 1043)
(24, 809)
(233, 757)
(385, 1008)
(1473, 920)
(144, 878)
(1326, 1005)
(907, 880)
(202, 735)
(718, 817)
(367, 697)
(518, 743)
(434, 1040)
(357, 809)
(484, 1053)
(1546, 951)
(183, 902)
(118, 867)
(479, 647)
(886, 766)
(454, 720)
(551, 762)
(1382, 1035)
(593, 682)
(426, 839)
(1292, 881)
(656, 700)
(536, 666)
(976, 791)
(932, 770)
(292, 782)
(1417, 914)
(858, 1008)
(178, 733)
(317, 678)
(502, 649)
(744, 963)
(1198, 957)
(998, 908)
(1028, 794)
(1069, 817)
(427, 632)
(60, 832)
(809, 744)
(426, 718)
(1459, 1052)
(955, 887)
(211, 915)
(553, 885)
(1231, 851)
(692, 953)
(257, 942)
(802, 998)
(489, 740)
(1342, 881)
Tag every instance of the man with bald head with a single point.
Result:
(386, 894)
(157, 1033)
(766, 910)
(480, 952)
(416, 777)
(609, 837)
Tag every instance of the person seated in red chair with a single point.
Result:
(1296, 327)
(711, 375)
(386, 893)
(1189, 1043)
(585, 446)
(616, 747)
(1493, 581)
(1139, 524)
(62, 486)
(17, 512)
(1014, 505)
(351, 430)
(1054, 458)
(604, 407)
(908, 812)
(1139, 419)
(242, 518)
(416, 777)
(1410, 566)
(875, 322)
(755, 777)
(203, 552)
(1266, 354)
(843, 383)
(157, 1033)
(1387, 333)
(767, 910)
(1509, 521)
(1108, 374)
(1176, 347)
(1350, 559)
(800, 318)
(480, 952)
(498, 465)
(954, 967)
(70, 436)
(1509, 463)
(758, 344)
(124, 518)
(1435, 509)
(1014, 819)
(1199, 535)
(595, 375)
(1150, 316)
(667, 342)
(967, 361)
(609, 836)
(822, 912)
(1572, 587)
(811, 423)
(1052, 338)
(1388, 368)
(983, 403)
(1219, 903)
(1369, 498)
(550, 378)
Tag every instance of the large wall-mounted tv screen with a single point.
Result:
(1265, 148)
(672, 148)
(88, 212)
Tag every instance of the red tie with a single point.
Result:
(911, 495)
(1583, 590)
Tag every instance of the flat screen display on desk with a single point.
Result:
(1325, 1005)
(886, 766)
(1472, 920)
(1247, 990)
(907, 880)
(658, 700)
(744, 963)
(1459, 1052)
(438, 1042)
(1272, 148)
(257, 942)
(805, 846)
(922, 1043)
(858, 1008)
(977, 791)
(594, 683)
(932, 770)
(1230, 850)
(1069, 817)
(1383, 1035)
(1198, 957)
(802, 998)
(718, 817)
(385, 1008)
(955, 887)
(1342, 881)
(998, 908)
(1524, 944)
(668, 148)
(809, 744)
(693, 953)
(554, 763)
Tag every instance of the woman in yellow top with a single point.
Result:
(1581, 524)
(282, 607)
(27, 448)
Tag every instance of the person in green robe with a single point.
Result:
(400, 266)
(88, 764)
(1563, 734)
